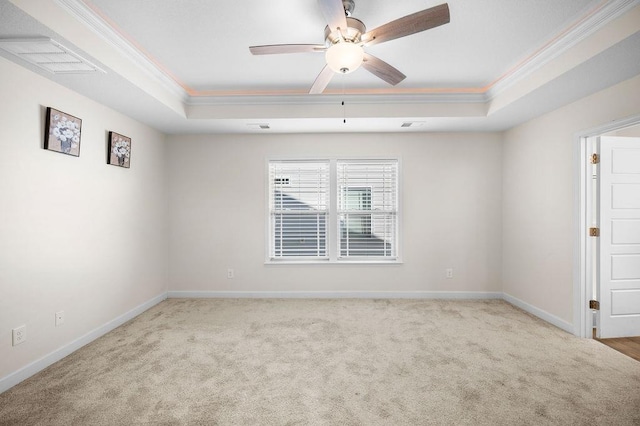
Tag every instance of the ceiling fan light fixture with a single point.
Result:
(344, 57)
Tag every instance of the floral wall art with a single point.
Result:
(62, 132)
(119, 150)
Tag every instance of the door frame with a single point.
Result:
(583, 251)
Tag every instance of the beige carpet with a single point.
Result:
(332, 362)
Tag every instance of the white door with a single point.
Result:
(619, 242)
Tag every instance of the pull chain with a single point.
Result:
(344, 108)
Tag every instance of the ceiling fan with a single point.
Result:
(346, 37)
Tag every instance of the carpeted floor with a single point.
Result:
(332, 362)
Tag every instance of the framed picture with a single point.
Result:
(119, 150)
(62, 132)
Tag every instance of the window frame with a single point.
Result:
(333, 228)
(293, 214)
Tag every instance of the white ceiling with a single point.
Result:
(205, 43)
(185, 67)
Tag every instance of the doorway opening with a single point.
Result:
(586, 258)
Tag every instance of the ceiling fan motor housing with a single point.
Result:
(353, 32)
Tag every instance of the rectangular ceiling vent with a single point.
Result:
(412, 124)
(259, 126)
(49, 55)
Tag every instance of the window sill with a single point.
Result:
(334, 262)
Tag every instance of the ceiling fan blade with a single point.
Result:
(322, 81)
(407, 25)
(382, 70)
(333, 12)
(274, 49)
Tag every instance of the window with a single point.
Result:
(299, 200)
(367, 208)
(338, 210)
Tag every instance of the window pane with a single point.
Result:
(298, 199)
(299, 235)
(299, 185)
(379, 241)
(367, 208)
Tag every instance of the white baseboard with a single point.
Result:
(334, 295)
(42, 363)
(543, 315)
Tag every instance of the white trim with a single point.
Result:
(84, 14)
(582, 317)
(333, 237)
(584, 29)
(543, 315)
(368, 262)
(580, 272)
(333, 99)
(460, 295)
(29, 370)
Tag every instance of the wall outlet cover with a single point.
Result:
(19, 335)
(59, 318)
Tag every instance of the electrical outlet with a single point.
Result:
(19, 334)
(59, 318)
(230, 273)
(449, 273)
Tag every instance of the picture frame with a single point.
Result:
(119, 150)
(62, 132)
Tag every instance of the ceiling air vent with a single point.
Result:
(258, 126)
(412, 124)
(49, 55)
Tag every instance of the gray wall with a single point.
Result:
(451, 213)
(540, 182)
(76, 235)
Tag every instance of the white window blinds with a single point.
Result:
(367, 209)
(298, 204)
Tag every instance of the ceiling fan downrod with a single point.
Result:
(348, 5)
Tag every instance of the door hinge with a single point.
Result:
(594, 304)
(594, 232)
(595, 158)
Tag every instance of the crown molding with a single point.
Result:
(606, 12)
(79, 10)
(336, 98)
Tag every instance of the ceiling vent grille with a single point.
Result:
(258, 126)
(412, 124)
(49, 55)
